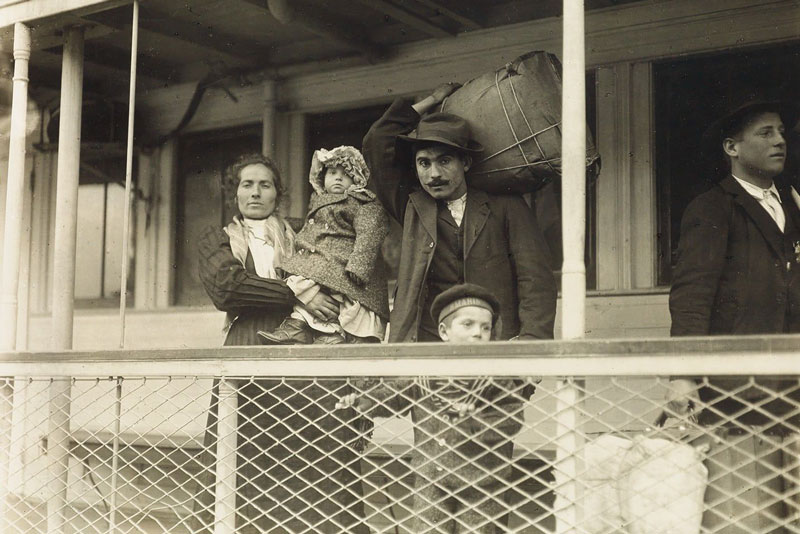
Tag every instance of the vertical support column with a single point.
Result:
(225, 491)
(15, 190)
(41, 217)
(613, 190)
(569, 444)
(269, 118)
(12, 235)
(69, 147)
(69, 153)
(144, 284)
(643, 225)
(126, 208)
(58, 454)
(298, 164)
(164, 204)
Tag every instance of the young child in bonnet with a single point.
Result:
(337, 252)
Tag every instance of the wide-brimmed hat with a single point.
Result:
(733, 110)
(461, 295)
(444, 128)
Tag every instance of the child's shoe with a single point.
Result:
(329, 339)
(290, 332)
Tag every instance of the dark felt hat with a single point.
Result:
(733, 110)
(461, 295)
(444, 128)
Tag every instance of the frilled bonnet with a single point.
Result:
(348, 157)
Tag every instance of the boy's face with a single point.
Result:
(336, 180)
(759, 149)
(466, 325)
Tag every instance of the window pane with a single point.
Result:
(98, 254)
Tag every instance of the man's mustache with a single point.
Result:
(437, 183)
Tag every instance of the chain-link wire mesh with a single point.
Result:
(412, 454)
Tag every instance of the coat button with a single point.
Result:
(788, 266)
(430, 245)
(311, 221)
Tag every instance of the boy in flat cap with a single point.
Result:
(453, 233)
(463, 428)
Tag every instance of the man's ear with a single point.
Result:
(729, 147)
(443, 332)
(467, 159)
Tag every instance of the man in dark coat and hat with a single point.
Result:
(453, 233)
(738, 272)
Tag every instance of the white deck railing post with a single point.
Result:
(569, 443)
(225, 491)
(12, 236)
(15, 190)
(69, 137)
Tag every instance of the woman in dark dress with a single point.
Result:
(297, 465)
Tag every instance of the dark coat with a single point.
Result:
(339, 247)
(734, 274)
(738, 274)
(504, 250)
(278, 453)
(252, 303)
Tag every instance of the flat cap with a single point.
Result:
(462, 295)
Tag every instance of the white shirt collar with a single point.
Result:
(758, 192)
(457, 207)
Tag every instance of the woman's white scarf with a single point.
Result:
(277, 234)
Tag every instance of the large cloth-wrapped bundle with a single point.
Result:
(641, 486)
(515, 113)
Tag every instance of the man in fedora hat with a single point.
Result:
(453, 233)
(738, 272)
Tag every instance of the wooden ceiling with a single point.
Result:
(189, 40)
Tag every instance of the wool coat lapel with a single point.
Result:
(476, 213)
(765, 224)
(425, 207)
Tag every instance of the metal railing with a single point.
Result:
(439, 438)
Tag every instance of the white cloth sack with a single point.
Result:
(642, 486)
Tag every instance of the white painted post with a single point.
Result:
(569, 444)
(126, 209)
(58, 454)
(69, 153)
(12, 236)
(112, 509)
(69, 147)
(225, 491)
(15, 191)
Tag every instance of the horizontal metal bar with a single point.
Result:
(494, 364)
(546, 348)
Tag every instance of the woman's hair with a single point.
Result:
(231, 176)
